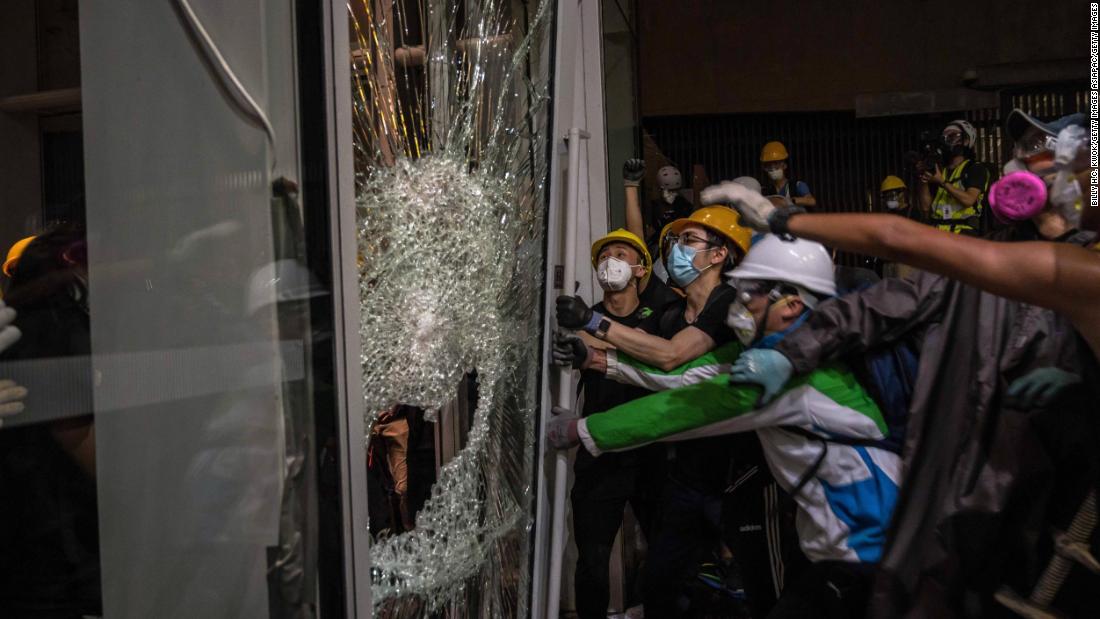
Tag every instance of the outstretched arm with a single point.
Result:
(1059, 276)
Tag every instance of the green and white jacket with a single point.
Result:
(623, 368)
(845, 507)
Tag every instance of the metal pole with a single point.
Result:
(565, 377)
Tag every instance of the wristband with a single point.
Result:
(593, 323)
(780, 219)
(631, 183)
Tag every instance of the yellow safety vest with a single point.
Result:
(948, 213)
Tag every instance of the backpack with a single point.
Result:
(888, 373)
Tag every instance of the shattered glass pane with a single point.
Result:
(451, 167)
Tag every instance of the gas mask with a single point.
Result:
(1021, 194)
(614, 274)
(1017, 196)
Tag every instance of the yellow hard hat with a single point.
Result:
(14, 254)
(891, 183)
(625, 236)
(717, 218)
(773, 151)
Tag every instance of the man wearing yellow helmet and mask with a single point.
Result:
(894, 199)
(603, 488)
(774, 158)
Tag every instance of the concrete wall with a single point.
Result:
(721, 56)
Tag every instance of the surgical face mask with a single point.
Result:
(775, 173)
(668, 195)
(681, 264)
(743, 323)
(892, 203)
(614, 274)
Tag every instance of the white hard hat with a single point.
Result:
(806, 265)
(281, 281)
(748, 181)
(967, 129)
(669, 179)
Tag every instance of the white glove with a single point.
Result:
(754, 208)
(561, 430)
(11, 399)
(9, 334)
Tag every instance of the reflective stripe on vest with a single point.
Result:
(946, 207)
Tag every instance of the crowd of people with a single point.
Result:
(917, 445)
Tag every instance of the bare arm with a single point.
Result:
(634, 222)
(665, 354)
(1062, 277)
(967, 197)
(807, 200)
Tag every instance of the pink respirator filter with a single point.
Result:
(1017, 196)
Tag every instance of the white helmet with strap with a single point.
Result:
(968, 130)
(806, 265)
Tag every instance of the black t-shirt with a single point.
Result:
(712, 320)
(602, 394)
(705, 464)
(657, 296)
(975, 174)
(660, 214)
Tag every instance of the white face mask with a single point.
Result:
(614, 274)
(775, 173)
(892, 204)
(743, 323)
(668, 196)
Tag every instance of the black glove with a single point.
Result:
(573, 312)
(568, 349)
(633, 172)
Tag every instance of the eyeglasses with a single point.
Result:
(685, 239)
(747, 289)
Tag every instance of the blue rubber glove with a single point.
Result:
(1038, 388)
(765, 367)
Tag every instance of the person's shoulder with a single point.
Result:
(801, 188)
(723, 292)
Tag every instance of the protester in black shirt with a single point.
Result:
(603, 486)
